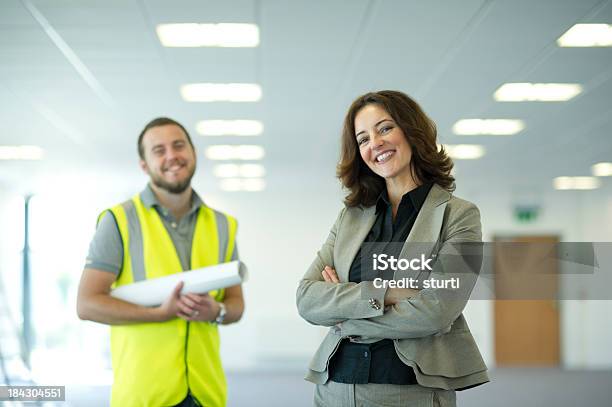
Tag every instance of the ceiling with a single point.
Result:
(314, 58)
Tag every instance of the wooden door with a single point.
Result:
(526, 311)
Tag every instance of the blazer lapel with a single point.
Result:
(426, 229)
(421, 240)
(354, 235)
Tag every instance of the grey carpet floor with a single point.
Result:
(517, 387)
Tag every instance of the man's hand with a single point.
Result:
(94, 302)
(169, 309)
(197, 307)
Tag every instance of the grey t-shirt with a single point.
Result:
(106, 247)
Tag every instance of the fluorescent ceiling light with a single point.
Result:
(208, 35)
(229, 152)
(253, 184)
(464, 151)
(537, 92)
(239, 184)
(229, 127)
(21, 153)
(239, 170)
(587, 35)
(565, 183)
(231, 184)
(221, 92)
(497, 127)
(602, 169)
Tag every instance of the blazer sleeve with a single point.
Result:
(327, 304)
(432, 311)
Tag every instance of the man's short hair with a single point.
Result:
(159, 121)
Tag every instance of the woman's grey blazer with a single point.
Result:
(428, 330)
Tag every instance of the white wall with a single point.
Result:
(11, 245)
(575, 216)
(63, 215)
(279, 234)
(280, 231)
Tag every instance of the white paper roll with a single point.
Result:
(155, 291)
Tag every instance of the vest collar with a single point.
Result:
(149, 200)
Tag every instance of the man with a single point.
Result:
(166, 355)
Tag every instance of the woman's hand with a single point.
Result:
(392, 296)
(395, 295)
(329, 275)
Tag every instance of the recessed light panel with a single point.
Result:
(221, 92)
(565, 183)
(602, 169)
(587, 35)
(208, 35)
(464, 151)
(21, 153)
(239, 184)
(239, 170)
(229, 127)
(497, 127)
(239, 152)
(537, 92)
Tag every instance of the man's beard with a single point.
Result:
(175, 187)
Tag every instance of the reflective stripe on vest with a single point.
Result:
(156, 364)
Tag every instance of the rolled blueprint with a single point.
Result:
(155, 291)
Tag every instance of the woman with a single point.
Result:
(394, 346)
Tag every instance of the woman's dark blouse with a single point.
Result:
(377, 362)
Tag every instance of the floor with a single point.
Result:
(517, 387)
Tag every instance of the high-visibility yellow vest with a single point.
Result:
(158, 363)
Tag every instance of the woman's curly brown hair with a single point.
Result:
(428, 163)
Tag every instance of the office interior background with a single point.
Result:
(79, 79)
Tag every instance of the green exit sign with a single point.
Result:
(526, 214)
